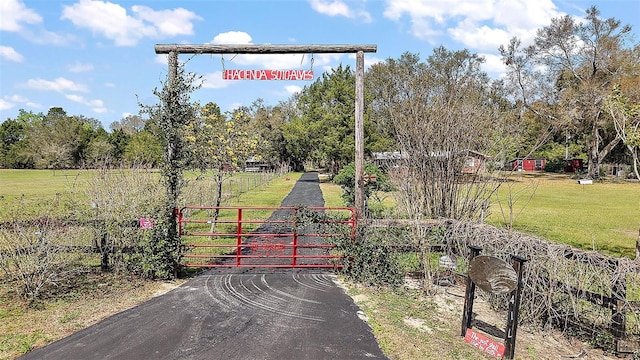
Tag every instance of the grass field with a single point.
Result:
(406, 324)
(603, 216)
(42, 184)
(82, 300)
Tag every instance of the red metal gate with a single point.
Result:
(290, 237)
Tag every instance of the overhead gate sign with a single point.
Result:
(267, 74)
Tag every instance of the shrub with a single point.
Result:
(33, 255)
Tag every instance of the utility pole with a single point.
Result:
(359, 134)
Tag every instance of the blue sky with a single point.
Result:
(96, 58)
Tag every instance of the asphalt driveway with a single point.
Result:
(234, 314)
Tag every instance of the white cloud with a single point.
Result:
(477, 24)
(162, 59)
(265, 61)
(168, 22)
(494, 65)
(33, 105)
(75, 98)
(10, 53)
(339, 8)
(5, 105)
(95, 105)
(479, 37)
(232, 37)
(112, 21)
(109, 85)
(13, 13)
(18, 98)
(10, 101)
(292, 89)
(60, 84)
(331, 8)
(79, 67)
(214, 81)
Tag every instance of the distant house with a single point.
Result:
(475, 162)
(388, 159)
(254, 164)
(528, 164)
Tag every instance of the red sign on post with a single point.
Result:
(146, 224)
(267, 74)
(488, 346)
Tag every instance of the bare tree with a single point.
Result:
(566, 75)
(626, 118)
(438, 112)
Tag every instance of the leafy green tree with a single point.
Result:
(14, 140)
(219, 145)
(169, 117)
(266, 125)
(143, 149)
(12, 134)
(376, 180)
(52, 141)
(328, 107)
(297, 143)
(119, 140)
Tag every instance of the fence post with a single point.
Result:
(294, 251)
(104, 261)
(619, 297)
(239, 237)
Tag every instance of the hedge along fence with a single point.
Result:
(584, 293)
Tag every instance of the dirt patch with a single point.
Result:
(530, 343)
(419, 324)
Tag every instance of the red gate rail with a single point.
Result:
(240, 237)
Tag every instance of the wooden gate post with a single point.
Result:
(514, 307)
(469, 294)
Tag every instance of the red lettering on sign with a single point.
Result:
(267, 75)
(488, 346)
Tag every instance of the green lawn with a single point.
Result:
(603, 216)
(40, 184)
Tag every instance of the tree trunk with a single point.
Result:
(634, 154)
(593, 169)
(216, 212)
(638, 247)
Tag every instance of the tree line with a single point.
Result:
(573, 93)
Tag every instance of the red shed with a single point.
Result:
(574, 165)
(528, 164)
